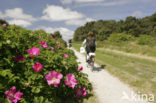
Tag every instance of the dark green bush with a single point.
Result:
(15, 40)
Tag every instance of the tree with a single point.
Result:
(131, 25)
(57, 34)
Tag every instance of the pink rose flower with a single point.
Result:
(66, 56)
(58, 46)
(37, 67)
(19, 58)
(84, 92)
(34, 51)
(4, 25)
(44, 44)
(53, 78)
(71, 81)
(12, 95)
(80, 68)
(51, 48)
(81, 92)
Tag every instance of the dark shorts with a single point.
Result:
(91, 49)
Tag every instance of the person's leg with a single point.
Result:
(87, 55)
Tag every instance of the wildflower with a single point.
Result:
(81, 92)
(80, 68)
(44, 44)
(13, 96)
(84, 92)
(66, 56)
(71, 81)
(58, 46)
(19, 58)
(37, 67)
(53, 78)
(4, 25)
(34, 51)
(51, 48)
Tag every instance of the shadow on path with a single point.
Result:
(99, 68)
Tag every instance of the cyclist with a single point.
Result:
(90, 44)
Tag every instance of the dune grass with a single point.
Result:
(129, 47)
(136, 72)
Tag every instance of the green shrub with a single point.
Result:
(145, 40)
(3, 22)
(120, 37)
(14, 41)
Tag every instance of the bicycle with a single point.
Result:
(91, 60)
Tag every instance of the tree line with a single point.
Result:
(131, 25)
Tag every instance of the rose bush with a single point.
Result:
(40, 67)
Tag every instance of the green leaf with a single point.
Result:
(0, 44)
(6, 101)
(3, 73)
(1, 86)
(39, 99)
(35, 90)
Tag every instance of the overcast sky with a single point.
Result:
(67, 15)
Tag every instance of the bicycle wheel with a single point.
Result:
(92, 65)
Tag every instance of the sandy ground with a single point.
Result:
(108, 89)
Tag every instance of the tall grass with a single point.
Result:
(130, 47)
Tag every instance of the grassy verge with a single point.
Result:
(77, 45)
(138, 73)
(130, 47)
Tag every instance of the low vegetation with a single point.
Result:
(36, 67)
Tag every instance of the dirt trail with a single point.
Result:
(107, 88)
(131, 54)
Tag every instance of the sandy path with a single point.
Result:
(107, 88)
